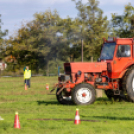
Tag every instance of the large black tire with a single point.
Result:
(124, 83)
(130, 85)
(62, 99)
(110, 94)
(83, 94)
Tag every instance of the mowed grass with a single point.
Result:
(35, 103)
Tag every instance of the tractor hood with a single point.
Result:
(85, 67)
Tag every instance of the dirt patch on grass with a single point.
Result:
(7, 101)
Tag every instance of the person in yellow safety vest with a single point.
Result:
(27, 76)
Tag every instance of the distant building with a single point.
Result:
(3, 65)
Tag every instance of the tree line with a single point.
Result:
(48, 41)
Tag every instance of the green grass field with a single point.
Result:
(34, 103)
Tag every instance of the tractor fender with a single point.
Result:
(83, 83)
(125, 69)
(122, 73)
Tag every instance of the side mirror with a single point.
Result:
(98, 60)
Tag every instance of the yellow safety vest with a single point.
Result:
(27, 74)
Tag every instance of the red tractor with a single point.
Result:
(113, 72)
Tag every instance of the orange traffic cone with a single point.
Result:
(77, 117)
(47, 86)
(16, 121)
(25, 86)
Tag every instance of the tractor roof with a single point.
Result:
(121, 41)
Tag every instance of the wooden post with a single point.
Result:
(99, 93)
(92, 59)
(81, 50)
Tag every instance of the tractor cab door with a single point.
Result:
(122, 59)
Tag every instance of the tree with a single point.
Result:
(124, 24)
(38, 41)
(93, 26)
(49, 39)
(2, 34)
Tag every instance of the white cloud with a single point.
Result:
(123, 2)
(106, 2)
(13, 1)
(84, 1)
(109, 13)
(3, 13)
(116, 2)
(34, 1)
(102, 2)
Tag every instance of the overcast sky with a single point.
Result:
(16, 11)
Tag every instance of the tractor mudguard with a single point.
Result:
(122, 73)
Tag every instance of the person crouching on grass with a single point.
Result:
(27, 76)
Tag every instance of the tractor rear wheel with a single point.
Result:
(83, 94)
(63, 98)
(130, 85)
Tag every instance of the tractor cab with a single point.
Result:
(117, 53)
(120, 47)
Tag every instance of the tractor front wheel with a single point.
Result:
(83, 94)
(63, 98)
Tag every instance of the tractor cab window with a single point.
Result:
(123, 51)
(107, 52)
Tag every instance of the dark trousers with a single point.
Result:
(27, 82)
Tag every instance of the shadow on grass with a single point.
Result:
(105, 100)
(98, 101)
(102, 99)
(114, 118)
(48, 103)
(108, 118)
(51, 103)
